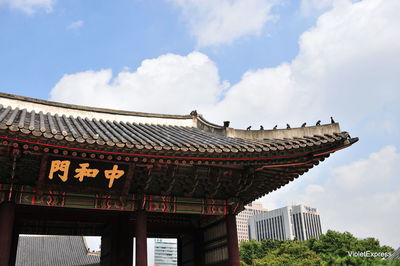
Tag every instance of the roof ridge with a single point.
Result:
(90, 109)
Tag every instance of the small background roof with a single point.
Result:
(54, 251)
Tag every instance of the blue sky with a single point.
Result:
(122, 34)
(251, 62)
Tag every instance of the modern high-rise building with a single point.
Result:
(292, 222)
(165, 252)
(243, 217)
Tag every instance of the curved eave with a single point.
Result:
(242, 179)
(270, 177)
(284, 154)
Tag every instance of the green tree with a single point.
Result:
(290, 253)
(257, 250)
(332, 248)
(251, 250)
(373, 245)
(334, 243)
(268, 245)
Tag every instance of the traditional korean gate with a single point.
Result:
(76, 170)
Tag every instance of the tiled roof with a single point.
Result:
(138, 136)
(275, 157)
(54, 251)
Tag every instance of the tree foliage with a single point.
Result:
(332, 248)
(290, 253)
(257, 250)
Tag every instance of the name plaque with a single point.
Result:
(61, 170)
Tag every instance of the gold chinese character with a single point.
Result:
(113, 174)
(62, 166)
(85, 172)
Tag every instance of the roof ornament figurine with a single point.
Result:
(248, 128)
(287, 126)
(226, 123)
(303, 125)
(332, 121)
(261, 127)
(193, 113)
(275, 127)
(318, 123)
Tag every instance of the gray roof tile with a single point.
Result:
(54, 251)
(149, 136)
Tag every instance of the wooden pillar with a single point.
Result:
(179, 250)
(117, 243)
(14, 246)
(125, 243)
(141, 238)
(232, 237)
(7, 215)
(198, 245)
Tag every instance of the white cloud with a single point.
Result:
(348, 59)
(75, 25)
(362, 197)
(310, 7)
(224, 21)
(376, 169)
(29, 6)
(167, 84)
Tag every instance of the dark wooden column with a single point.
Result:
(141, 238)
(7, 215)
(14, 246)
(179, 250)
(198, 245)
(117, 243)
(232, 237)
